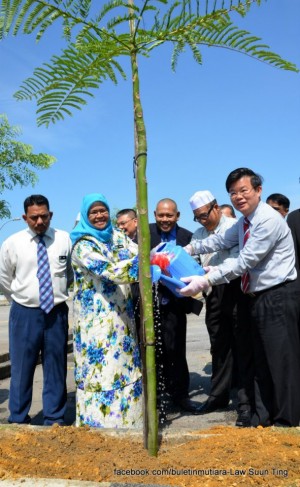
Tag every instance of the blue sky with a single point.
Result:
(202, 122)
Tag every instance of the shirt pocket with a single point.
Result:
(60, 267)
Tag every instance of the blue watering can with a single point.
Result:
(181, 265)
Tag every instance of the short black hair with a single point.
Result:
(234, 176)
(280, 199)
(125, 211)
(230, 207)
(36, 199)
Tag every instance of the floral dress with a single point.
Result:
(107, 359)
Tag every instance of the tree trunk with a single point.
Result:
(146, 304)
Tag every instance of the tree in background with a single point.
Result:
(97, 36)
(4, 210)
(16, 162)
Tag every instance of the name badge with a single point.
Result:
(62, 258)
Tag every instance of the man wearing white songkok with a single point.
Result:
(220, 303)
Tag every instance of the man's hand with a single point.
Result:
(196, 284)
(189, 249)
(210, 268)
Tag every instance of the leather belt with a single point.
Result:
(258, 293)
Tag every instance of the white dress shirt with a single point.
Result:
(268, 256)
(18, 266)
(219, 256)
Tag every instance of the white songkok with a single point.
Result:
(201, 198)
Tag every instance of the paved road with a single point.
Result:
(199, 364)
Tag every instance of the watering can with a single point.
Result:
(177, 263)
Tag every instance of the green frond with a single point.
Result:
(8, 12)
(64, 84)
(112, 5)
(47, 22)
(228, 36)
(82, 7)
(116, 21)
(106, 48)
(196, 53)
(38, 15)
(240, 6)
(178, 49)
(27, 15)
(243, 43)
(216, 30)
(168, 22)
(82, 34)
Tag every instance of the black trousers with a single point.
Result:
(297, 284)
(244, 355)
(275, 341)
(221, 322)
(171, 353)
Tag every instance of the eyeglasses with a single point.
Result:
(244, 193)
(121, 224)
(98, 212)
(204, 216)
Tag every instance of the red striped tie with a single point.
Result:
(245, 277)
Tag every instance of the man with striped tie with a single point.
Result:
(266, 263)
(35, 272)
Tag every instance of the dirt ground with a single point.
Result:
(219, 456)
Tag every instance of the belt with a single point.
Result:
(258, 293)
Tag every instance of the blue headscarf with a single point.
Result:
(84, 227)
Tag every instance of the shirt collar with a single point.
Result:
(218, 227)
(48, 234)
(171, 235)
(252, 215)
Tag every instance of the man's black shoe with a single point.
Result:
(212, 405)
(243, 419)
(187, 405)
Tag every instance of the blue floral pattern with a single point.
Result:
(107, 359)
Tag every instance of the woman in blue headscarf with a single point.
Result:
(107, 360)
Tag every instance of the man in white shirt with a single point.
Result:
(266, 264)
(279, 202)
(220, 317)
(228, 210)
(35, 272)
(127, 221)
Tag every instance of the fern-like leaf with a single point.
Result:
(63, 84)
